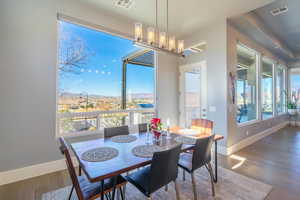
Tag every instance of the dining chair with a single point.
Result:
(143, 128)
(86, 190)
(160, 173)
(115, 131)
(203, 125)
(200, 157)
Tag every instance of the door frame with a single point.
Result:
(202, 66)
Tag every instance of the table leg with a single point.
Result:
(216, 162)
(102, 190)
(114, 186)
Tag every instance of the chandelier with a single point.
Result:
(158, 40)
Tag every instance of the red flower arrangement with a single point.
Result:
(156, 127)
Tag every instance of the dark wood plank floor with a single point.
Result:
(274, 160)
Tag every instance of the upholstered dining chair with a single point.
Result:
(86, 190)
(114, 131)
(143, 128)
(203, 125)
(200, 157)
(160, 173)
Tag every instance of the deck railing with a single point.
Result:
(81, 123)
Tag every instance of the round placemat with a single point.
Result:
(185, 140)
(100, 154)
(123, 138)
(146, 151)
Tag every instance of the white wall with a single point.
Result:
(28, 50)
(168, 92)
(216, 58)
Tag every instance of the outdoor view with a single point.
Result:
(246, 84)
(90, 79)
(267, 89)
(295, 86)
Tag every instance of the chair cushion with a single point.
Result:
(185, 161)
(141, 180)
(90, 190)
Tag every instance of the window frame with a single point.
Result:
(256, 89)
(103, 29)
(286, 86)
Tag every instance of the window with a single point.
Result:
(246, 84)
(295, 86)
(93, 84)
(266, 88)
(280, 89)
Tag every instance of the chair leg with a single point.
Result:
(70, 195)
(194, 185)
(122, 194)
(210, 170)
(177, 190)
(149, 198)
(79, 171)
(183, 174)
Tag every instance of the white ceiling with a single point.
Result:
(185, 16)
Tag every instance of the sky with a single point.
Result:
(101, 73)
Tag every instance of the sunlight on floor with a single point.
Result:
(240, 159)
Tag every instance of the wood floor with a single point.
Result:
(274, 160)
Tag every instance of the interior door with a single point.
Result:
(192, 93)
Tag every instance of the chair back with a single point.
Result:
(203, 125)
(164, 168)
(114, 131)
(143, 128)
(202, 152)
(64, 148)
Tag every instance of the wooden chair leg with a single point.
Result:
(194, 185)
(79, 171)
(210, 170)
(177, 190)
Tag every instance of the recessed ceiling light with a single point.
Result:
(279, 11)
(124, 3)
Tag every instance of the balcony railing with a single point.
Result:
(82, 123)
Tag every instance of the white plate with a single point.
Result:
(188, 131)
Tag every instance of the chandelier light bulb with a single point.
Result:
(172, 43)
(151, 35)
(180, 46)
(138, 32)
(162, 40)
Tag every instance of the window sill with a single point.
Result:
(248, 123)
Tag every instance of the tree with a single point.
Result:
(73, 53)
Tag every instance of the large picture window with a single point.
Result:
(103, 80)
(266, 88)
(246, 84)
(295, 86)
(280, 89)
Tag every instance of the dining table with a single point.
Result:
(126, 160)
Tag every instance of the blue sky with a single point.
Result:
(102, 72)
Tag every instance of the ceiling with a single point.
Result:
(185, 17)
(283, 29)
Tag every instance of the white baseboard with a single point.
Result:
(252, 139)
(32, 171)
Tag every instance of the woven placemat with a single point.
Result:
(146, 151)
(124, 138)
(185, 140)
(100, 154)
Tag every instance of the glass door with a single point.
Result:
(193, 90)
